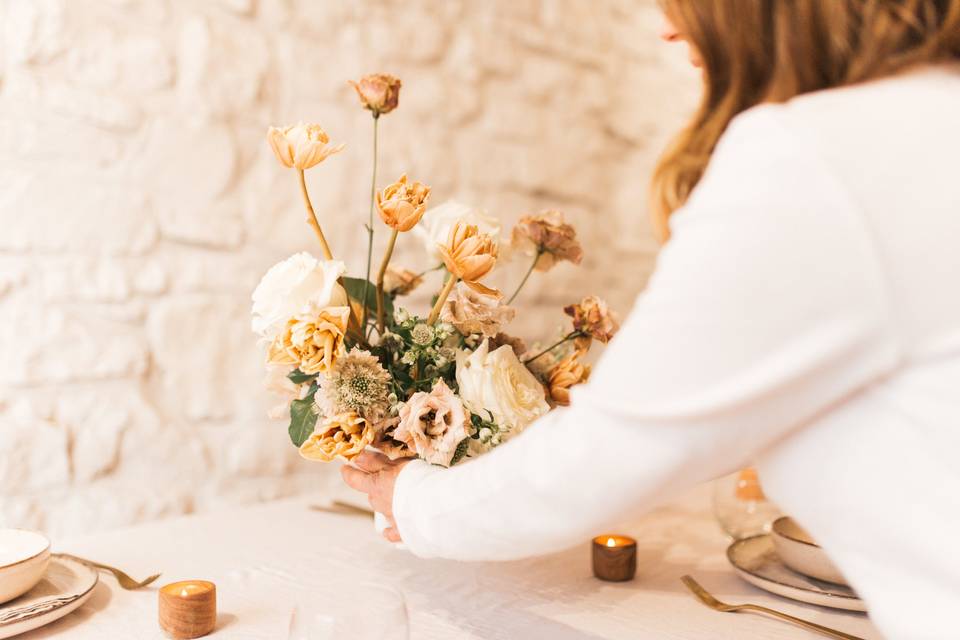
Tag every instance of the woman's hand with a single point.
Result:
(376, 476)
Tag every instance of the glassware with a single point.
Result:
(362, 611)
(740, 506)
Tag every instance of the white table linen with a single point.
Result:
(265, 558)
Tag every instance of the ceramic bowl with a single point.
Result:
(24, 556)
(798, 551)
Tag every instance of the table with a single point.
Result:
(264, 558)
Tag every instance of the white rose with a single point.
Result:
(290, 286)
(499, 384)
(434, 228)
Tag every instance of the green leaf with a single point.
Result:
(303, 417)
(299, 377)
(460, 452)
(355, 288)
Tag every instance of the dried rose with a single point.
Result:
(548, 236)
(400, 282)
(311, 341)
(301, 146)
(401, 205)
(379, 92)
(591, 317)
(517, 344)
(473, 312)
(433, 424)
(568, 372)
(343, 436)
(469, 255)
(387, 444)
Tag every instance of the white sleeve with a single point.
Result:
(767, 306)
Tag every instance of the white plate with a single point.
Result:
(66, 580)
(756, 561)
(24, 556)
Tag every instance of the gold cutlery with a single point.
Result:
(123, 579)
(343, 508)
(704, 596)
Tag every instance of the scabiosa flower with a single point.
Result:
(358, 384)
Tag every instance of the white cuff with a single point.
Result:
(404, 505)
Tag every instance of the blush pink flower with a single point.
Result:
(433, 424)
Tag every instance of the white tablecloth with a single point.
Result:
(264, 558)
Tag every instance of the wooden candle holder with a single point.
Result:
(614, 558)
(188, 609)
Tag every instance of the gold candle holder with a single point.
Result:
(188, 609)
(614, 558)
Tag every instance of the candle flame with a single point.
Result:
(611, 542)
(184, 593)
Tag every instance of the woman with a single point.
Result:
(804, 315)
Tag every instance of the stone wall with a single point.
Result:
(140, 205)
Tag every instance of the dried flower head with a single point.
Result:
(343, 436)
(358, 384)
(517, 344)
(311, 341)
(568, 372)
(400, 282)
(548, 236)
(379, 92)
(433, 424)
(591, 317)
(423, 334)
(473, 312)
(301, 146)
(469, 255)
(402, 204)
(387, 444)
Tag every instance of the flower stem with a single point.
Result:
(373, 195)
(312, 218)
(383, 270)
(444, 294)
(430, 270)
(527, 276)
(569, 336)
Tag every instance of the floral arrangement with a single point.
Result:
(356, 370)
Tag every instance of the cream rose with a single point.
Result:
(496, 382)
(434, 229)
(289, 287)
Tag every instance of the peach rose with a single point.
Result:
(433, 424)
(379, 92)
(311, 341)
(401, 205)
(301, 146)
(342, 436)
(473, 312)
(469, 255)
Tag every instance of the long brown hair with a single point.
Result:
(757, 51)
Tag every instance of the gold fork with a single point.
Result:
(707, 599)
(123, 579)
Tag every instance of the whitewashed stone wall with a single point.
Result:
(140, 205)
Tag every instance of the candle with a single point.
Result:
(614, 558)
(188, 609)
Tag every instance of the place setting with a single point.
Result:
(479, 320)
(38, 587)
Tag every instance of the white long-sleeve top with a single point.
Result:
(805, 316)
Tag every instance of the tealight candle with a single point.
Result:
(614, 558)
(188, 609)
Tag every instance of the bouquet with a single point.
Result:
(356, 369)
